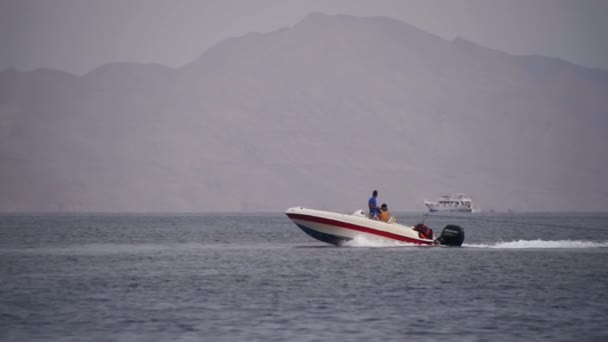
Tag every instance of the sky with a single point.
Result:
(80, 35)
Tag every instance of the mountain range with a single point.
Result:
(318, 115)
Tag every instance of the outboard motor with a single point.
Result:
(451, 235)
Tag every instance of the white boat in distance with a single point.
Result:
(336, 228)
(452, 202)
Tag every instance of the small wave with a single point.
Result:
(364, 241)
(523, 244)
(123, 248)
(95, 249)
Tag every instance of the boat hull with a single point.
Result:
(433, 209)
(336, 229)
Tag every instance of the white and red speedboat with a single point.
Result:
(335, 228)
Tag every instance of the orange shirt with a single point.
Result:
(384, 216)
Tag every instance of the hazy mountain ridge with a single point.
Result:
(317, 115)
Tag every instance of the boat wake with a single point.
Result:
(527, 244)
(363, 241)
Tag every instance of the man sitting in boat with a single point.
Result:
(374, 211)
(385, 215)
(423, 231)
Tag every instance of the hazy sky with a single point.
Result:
(79, 35)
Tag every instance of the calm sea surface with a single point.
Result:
(241, 277)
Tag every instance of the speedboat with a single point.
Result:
(336, 228)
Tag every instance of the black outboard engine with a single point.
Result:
(451, 235)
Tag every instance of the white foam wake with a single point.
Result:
(364, 241)
(523, 244)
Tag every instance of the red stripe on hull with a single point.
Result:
(351, 226)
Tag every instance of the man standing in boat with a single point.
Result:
(374, 211)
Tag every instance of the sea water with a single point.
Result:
(257, 277)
